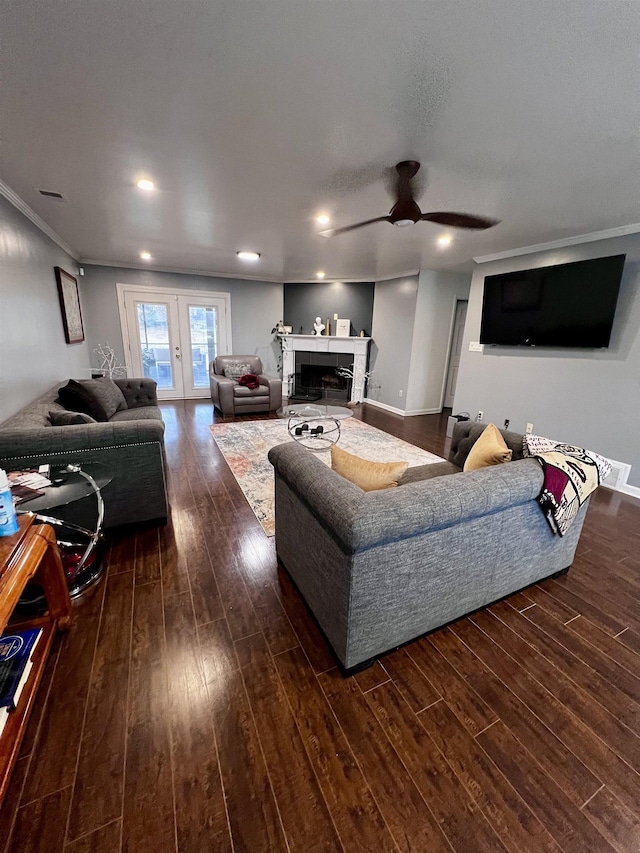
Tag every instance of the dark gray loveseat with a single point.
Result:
(130, 446)
(378, 569)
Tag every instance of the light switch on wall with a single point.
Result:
(475, 346)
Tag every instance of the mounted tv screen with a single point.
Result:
(567, 305)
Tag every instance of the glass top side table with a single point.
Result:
(78, 545)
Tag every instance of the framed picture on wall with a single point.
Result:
(70, 306)
(343, 327)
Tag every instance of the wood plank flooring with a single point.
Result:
(195, 706)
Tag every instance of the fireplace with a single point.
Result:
(353, 353)
(316, 376)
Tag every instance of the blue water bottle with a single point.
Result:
(8, 519)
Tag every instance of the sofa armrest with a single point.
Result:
(222, 392)
(332, 499)
(274, 384)
(138, 392)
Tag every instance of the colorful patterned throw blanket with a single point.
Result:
(571, 474)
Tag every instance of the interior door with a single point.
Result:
(172, 337)
(154, 340)
(455, 352)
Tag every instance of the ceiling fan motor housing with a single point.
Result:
(405, 212)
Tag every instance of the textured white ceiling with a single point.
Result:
(254, 115)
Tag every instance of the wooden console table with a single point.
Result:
(31, 554)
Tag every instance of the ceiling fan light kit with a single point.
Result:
(406, 212)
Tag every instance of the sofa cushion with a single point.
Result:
(235, 369)
(427, 472)
(145, 413)
(489, 449)
(100, 398)
(243, 391)
(369, 476)
(70, 418)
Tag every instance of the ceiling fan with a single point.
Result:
(406, 211)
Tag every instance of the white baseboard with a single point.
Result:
(413, 412)
(626, 489)
(384, 406)
(405, 414)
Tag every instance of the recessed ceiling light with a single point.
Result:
(444, 241)
(145, 184)
(323, 219)
(248, 256)
(321, 274)
(146, 256)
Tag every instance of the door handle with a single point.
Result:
(178, 355)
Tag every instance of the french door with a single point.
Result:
(172, 336)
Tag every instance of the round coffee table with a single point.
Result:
(314, 425)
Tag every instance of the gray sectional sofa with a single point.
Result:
(378, 569)
(130, 446)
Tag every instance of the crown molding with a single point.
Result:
(23, 207)
(210, 274)
(593, 237)
(405, 274)
(176, 270)
(354, 280)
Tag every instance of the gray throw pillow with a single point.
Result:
(100, 398)
(70, 418)
(235, 369)
(107, 393)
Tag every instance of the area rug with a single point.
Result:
(245, 447)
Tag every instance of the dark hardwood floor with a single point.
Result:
(195, 707)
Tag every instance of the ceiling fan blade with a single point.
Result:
(332, 232)
(460, 220)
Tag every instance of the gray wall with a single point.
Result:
(256, 306)
(394, 311)
(33, 352)
(587, 397)
(433, 324)
(349, 300)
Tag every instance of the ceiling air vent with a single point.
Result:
(53, 195)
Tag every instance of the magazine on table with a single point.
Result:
(16, 659)
(27, 485)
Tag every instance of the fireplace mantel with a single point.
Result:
(356, 346)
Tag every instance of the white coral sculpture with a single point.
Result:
(108, 363)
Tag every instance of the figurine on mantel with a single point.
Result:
(318, 326)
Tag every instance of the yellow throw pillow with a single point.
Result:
(489, 449)
(370, 476)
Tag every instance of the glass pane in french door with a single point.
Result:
(155, 343)
(203, 340)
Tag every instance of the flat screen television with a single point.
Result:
(567, 305)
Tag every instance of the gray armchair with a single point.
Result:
(233, 399)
